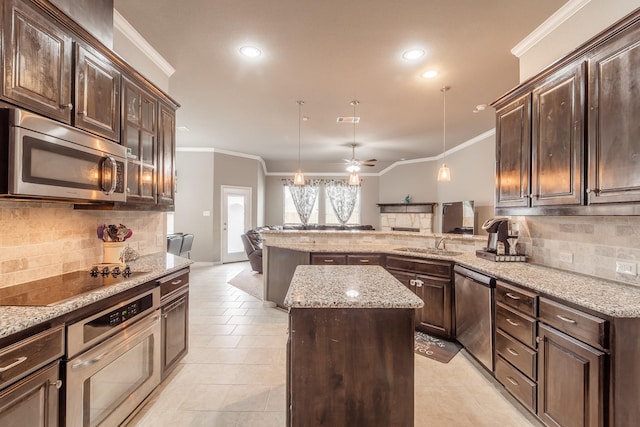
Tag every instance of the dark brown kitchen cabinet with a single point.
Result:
(570, 381)
(558, 138)
(37, 61)
(166, 155)
(97, 104)
(174, 306)
(431, 281)
(614, 128)
(33, 401)
(139, 132)
(513, 153)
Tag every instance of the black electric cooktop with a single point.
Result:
(54, 290)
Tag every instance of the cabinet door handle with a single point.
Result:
(565, 319)
(412, 282)
(512, 351)
(176, 282)
(364, 260)
(57, 384)
(511, 322)
(328, 260)
(67, 106)
(82, 113)
(18, 361)
(512, 296)
(512, 381)
(419, 283)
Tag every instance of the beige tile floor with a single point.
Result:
(234, 374)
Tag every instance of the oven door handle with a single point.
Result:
(83, 364)
(114, 174)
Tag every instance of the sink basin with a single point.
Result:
(429, 251)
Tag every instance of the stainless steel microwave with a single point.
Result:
(41, 158)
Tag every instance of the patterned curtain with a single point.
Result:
(304, 197)
(343, 198)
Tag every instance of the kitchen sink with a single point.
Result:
(429, 251)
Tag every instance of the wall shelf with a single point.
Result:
(406, 207)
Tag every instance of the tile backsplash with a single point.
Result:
(39, 239)
(594, 243)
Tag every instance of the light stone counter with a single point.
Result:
(348, 286)
(17, 318)
(614, 299)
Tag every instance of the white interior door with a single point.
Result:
(236, 219)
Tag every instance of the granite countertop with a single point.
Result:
(17, 318)
(607, 297)
(347, 286)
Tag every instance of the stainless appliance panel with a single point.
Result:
(49, 160)
(474, 295)
(106, 383)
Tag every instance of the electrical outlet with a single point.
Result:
(629, 268)
(566, 257)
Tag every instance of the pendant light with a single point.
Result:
(298, 178)
(444, 175)
(354, 179)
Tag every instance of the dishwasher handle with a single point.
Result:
(487, 281)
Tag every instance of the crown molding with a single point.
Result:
(554, 21)
(459, 147)
(122, 25)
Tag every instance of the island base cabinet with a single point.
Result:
(570, 381)
(350, 367)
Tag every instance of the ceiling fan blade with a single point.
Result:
(367, 164)
(369, 160)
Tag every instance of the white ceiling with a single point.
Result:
(328, 53)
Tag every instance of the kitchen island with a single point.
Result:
(350, 349)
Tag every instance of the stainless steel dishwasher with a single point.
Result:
(474, 313)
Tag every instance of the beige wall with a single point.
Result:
(594, 17)
(194, 198)
(47, 239)
(415, 179)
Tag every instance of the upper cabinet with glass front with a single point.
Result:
(139, 136)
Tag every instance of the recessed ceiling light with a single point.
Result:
(429, 74)
(413, 54)
(480, 107)
(250, 51)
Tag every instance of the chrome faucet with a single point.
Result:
(441, 241)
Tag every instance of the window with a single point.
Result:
(290, 214)
(330, 216)
(322, 212)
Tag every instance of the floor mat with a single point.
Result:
(435, 348)
(250, 282)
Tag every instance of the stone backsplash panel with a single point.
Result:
(421, 221)
(595, 242)
(41, 239)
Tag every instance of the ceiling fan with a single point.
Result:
(353, 164)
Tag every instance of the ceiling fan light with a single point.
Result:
(354, 179)
(353, 168)
(444, 174)
(298, 178)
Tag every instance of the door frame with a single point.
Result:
(224, 190)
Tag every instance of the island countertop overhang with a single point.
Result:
(348, 286)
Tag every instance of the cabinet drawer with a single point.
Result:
(432, 268)
(521, 300)
(171, 283)
(585, 327)
(355, 259)
(328, 259)
(521, 387)
(516, 353)
(519, 326)
(27, 355)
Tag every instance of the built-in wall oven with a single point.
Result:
(114, 361)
